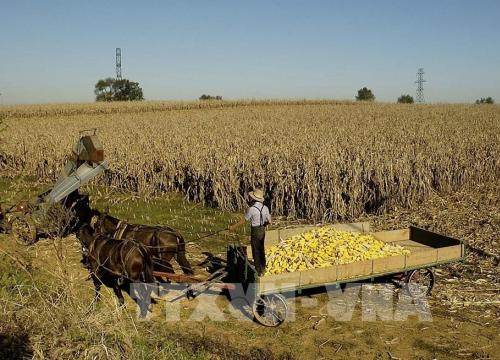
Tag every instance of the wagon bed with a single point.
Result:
(427, 250)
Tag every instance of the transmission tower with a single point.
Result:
(420, 88)
(118, 63)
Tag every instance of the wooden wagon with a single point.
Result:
(269, 306)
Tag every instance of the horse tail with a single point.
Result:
(180, 256)
(181, 243)
(184, 263)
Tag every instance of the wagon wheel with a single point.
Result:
(24, 230)
(419, 282)
(270, 310)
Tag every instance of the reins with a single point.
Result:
(210, 234)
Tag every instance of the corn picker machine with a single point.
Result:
(85, 162)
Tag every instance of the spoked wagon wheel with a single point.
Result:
(24, 230)
(419, 282)
(270, 310)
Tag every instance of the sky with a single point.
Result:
(55, 51)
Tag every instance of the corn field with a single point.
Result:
(320, 160)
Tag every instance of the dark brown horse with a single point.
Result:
(118, 264)
(163, 242)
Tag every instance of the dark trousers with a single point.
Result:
(257, 236)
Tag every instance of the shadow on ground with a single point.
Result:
(15, 346)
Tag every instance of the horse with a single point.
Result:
(117, 264)
(163, 242)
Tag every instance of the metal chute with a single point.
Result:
(86, 162)
(74, 179)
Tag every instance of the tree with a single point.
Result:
(405, 99)
(110, 89)
(104, 90)
(126, 90)
(210, 97)
(365, 94)
(488, 100)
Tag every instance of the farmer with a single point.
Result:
(259, 217)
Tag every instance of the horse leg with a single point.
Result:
(143, 299)
(118, 292)
(166, 267)
(184, 263)
(140, 292)
(97, 287)
(162, 264)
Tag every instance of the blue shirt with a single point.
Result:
(254, 213)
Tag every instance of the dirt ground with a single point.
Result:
(460, 320)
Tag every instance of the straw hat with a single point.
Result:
(257, 195)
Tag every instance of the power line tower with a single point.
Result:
(420, 88)
(118, 63)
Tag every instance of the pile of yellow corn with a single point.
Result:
(325, 246)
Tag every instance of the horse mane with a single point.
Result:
(85, 231)
(106, 216)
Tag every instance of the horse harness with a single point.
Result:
(123, 226)
(120, 229)
(124, 260)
